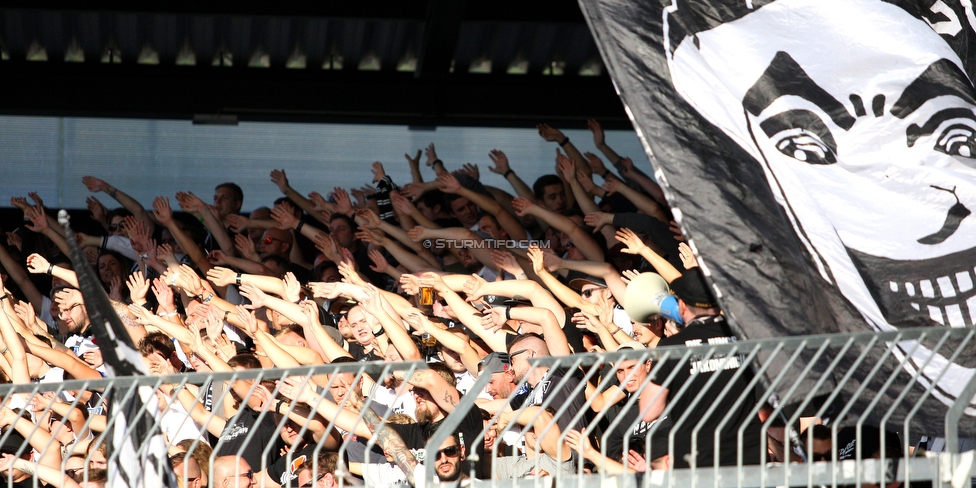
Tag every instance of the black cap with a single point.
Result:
(577, 283)
(14, 443)
(692, 290)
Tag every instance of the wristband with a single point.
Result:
(50, 269)
(605, 173)
(200, 219)
(146, 306)
(207, 300)
(435, 163)
(226, 314)
(239, 279)
(381, 332)
(144, 257)
(167, 314)
(8, 295)
(278, 407)
(565, 141)
(508, 313)
(298, 228)
(505, 175)
(4, 351)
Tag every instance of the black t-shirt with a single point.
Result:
(703, 331)
(629, 427)
(560, 396)
(415, 435)
(234, 439)
(283, 470)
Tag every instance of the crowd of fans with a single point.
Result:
(473, 279)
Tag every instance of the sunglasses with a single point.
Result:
(451, 452)
(516, 353)
(312, 483)
(249, 475)
(115, 226)
(589, 291)
(822, 456)
(64, 313)
(269, 240)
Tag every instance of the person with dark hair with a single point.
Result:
(550, 192)
(689, 391)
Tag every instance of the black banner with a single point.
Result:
(819, 154)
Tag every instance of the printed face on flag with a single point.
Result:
(865, 124)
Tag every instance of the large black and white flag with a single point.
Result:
(820, 153)
(137, 456)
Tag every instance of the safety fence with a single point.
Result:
(758, 393)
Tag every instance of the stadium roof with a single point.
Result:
(423, 63)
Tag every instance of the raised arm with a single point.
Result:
(636, 246)
(374, 304)
(164, 215)
(640, 200)
(20, 276)
(194, 205)
(506, 220)
(96, 185)
(280, 179)
(468, 315)
(579, 237)
(476, 288)
(503, 168)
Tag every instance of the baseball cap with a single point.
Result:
(496, 362)
(691, 289)
(577, 283)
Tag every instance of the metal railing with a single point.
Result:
(854, 381)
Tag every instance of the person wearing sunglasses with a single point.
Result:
(447, 460)
(233, 472)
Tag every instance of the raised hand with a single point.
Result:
(629, 275)
(506, 261)
(470, 170)
(402, 203)
(359, 198)
(93, 184)
(138, 234)
(410, 283)
(633, 242)
(165, 253)
(280, 180)
(138, 287)
(380, 264)
(417, 233)
(343, 204)
(190, 202)
(293, 289)
(221, 276)
(610, 186)
(164, 294)
(595, 163)
(636, 462)
(15, 240)
(597, 220)
(599, 138)
(414, 162)
(328, 246)
(378, 172)
(522, 206)
(501, 162)
(537, 258)
(38, 218)
(37, 264)
(413, 190)
(98, 211)
(473, 287)
(237, 223)
(433, 280)
(549, 133)
(189, 281)
(37, 199)
(448, 182)
(217, 257)
(627, 166)
(688, 259)
(319, 203)
(676, 229)
(369, 217)
(284, 214)
(565, 166)
(494, 318)
(249, 320)
(162, 210)
(245, 246)
(20, 202)
(370, 236)
(431, 154)
(325, 290)
(254, 294)
(586, 181)
(115, 289)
